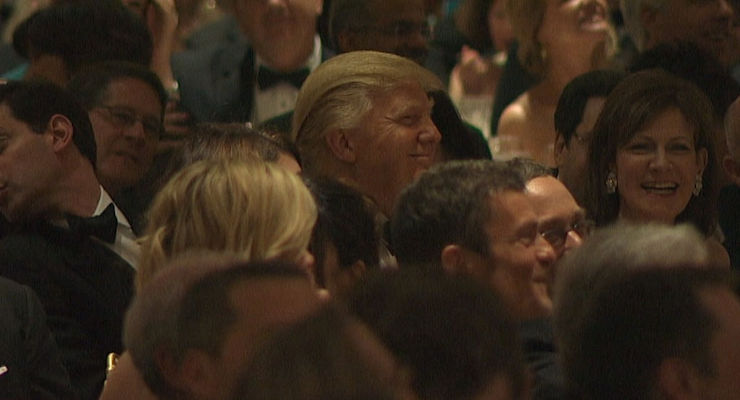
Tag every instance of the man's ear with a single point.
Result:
(341, 145)
(193, 375)
(560, 149)
(61, 130)
(678, 379)
(456, 260)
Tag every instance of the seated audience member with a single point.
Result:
(364, 118)
(609, 252)
(327, 356)
(255, 79)
(62, 39)
(560, 220)
(255, 210)
(345, 241)
(707, 24)
(29, 357)
(556, 47)
(578, 109)
(125, 103)
(652, 156)
(729, 213)
(192, 328)
(50, 192)
(655, 333)
(453, 333)
(240, 206)
(474, 218)
(398, 27)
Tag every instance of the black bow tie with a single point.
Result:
(101, 226)
(267, 78)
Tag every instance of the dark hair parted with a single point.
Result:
(35, 103)
(448, 204)
(90, 85)
(346, 221)
(572, 102)
(85, 32)
(454, 333)
(635, 320)
(634, 103)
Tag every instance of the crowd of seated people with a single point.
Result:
(282, 211)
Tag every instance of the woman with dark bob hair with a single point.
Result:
(652, 156)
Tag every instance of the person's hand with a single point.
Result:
(177, 127)
(474, 74)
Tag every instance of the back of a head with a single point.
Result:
(253, 209)
(453, 333)
(319, 358)
(187, 306)
(634, 321)
(85, 32)
(448, 204)
(572, 101)
(339, 92)
(346, 222)
(612, 252)
(34, 103)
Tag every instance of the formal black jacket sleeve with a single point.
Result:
(30, 364)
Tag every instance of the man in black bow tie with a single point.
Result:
(70, 242)
(258, 80)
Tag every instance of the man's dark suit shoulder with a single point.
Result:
(29, 355)
(84, 288)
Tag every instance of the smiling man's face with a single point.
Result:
(125, 153)
(394, 143)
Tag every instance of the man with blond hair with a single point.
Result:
(364, 118)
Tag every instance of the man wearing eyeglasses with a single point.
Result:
(125, 103)
(391, 26)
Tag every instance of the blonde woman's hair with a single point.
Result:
(339, 93)
(255, 210)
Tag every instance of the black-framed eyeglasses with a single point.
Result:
(124, 117)
(558, 236)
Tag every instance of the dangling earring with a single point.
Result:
(611, 182)
(698, 185)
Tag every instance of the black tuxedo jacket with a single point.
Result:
(30, 366)
(217, 83)
(84, 288)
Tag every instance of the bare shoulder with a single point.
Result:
(717, 253)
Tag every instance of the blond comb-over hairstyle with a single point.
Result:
(339, 93)
(255, 210)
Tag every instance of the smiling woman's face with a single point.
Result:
(656, 169)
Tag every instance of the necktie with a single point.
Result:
(102, 226)
(267, 78)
